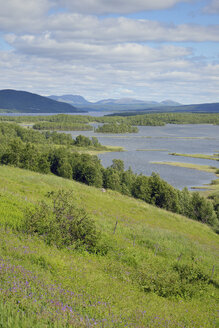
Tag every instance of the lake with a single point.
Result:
(159, 142)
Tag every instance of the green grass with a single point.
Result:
(94, 151)
(42, 286)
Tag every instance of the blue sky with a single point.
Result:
(150, 50)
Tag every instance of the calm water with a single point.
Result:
(188, 139)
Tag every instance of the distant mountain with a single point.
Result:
(26, 102)
(71, 99)
(194, 108)
(125, 101)
(112, 104)
(169, 103)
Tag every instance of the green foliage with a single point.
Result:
(116, 128)
(82, 141)
(162, 194)
(215, 202)
(133, 118)
(118, 165)
(141, 188)
(111, 179)
(63, 126)
(169, 118)
(62, 223)
(202, 210)
(9, 131)
(183, 280)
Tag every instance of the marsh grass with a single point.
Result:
(214, 157)
(205, 168)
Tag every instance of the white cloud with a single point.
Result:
(28, 14)
(119, 54)
(90, 29)
(116, 6)
(144, 72)
(213, 7)
(22, 14)
(80, 53)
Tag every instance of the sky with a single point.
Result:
(142, 49)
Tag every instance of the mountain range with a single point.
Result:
(111, 104)
(26, 102)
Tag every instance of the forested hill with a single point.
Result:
(26, 102)
(195, 108)
(211, 108)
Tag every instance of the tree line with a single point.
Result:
(132, 118)
(62, 126)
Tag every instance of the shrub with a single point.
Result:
(184, 280)
(62, 223)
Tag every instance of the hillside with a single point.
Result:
(26, 102)
(154, 268)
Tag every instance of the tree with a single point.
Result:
(202, 210)
(185, 199)
(141, 188)
(162, 194)
(111, 179)
(62, 223)
(118, 165)
(64, 169)
(82, 141)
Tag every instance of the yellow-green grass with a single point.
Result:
(205, 168)
(94, 151)
(104, 287)
(214, 157)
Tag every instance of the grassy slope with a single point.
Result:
(103, 289)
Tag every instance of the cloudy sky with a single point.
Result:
(145, 49)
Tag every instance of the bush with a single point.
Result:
(62, 223)
(183, 280)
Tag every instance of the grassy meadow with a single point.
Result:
(158, 269)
